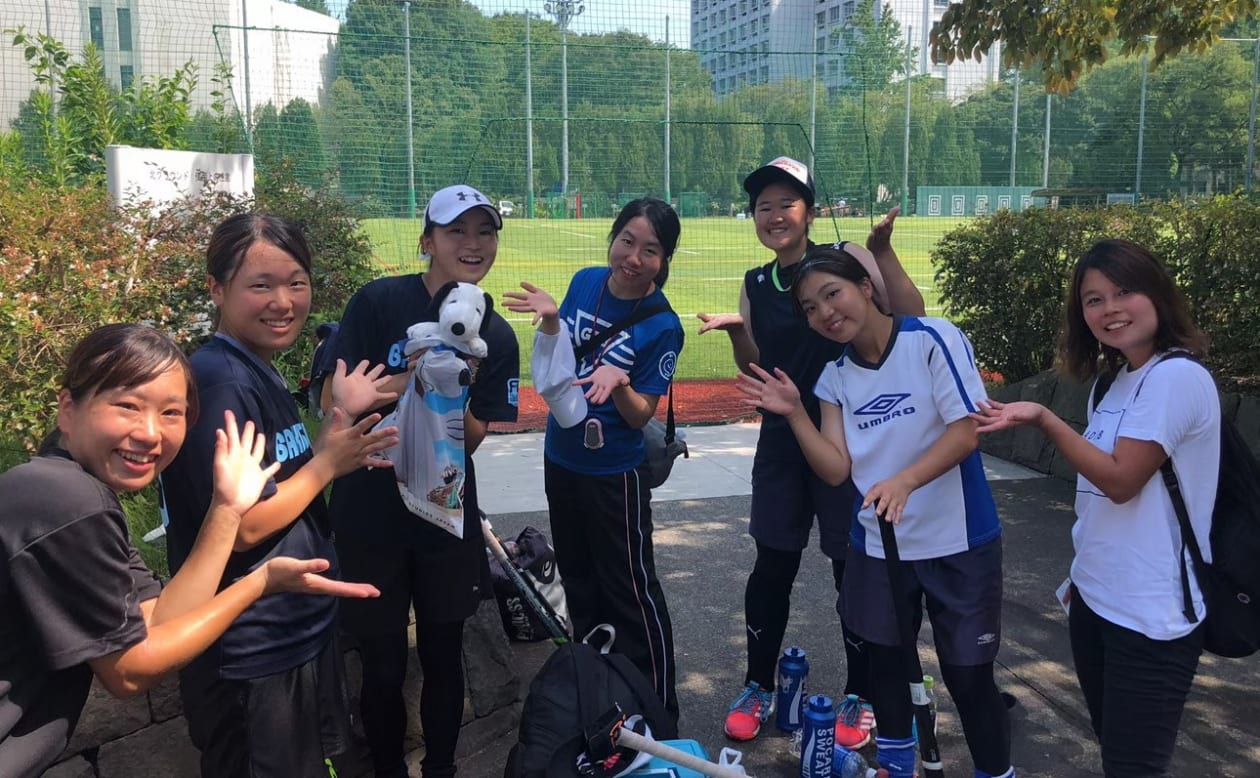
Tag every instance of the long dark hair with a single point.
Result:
(234, 236)
(1129, 266)
(665, 224)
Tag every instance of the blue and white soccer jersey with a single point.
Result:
(896, 410)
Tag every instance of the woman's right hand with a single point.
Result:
(533, 300)
(347, 447)
(360, 390)
(302, 576)
(774, 393)
(720, 321)
(239, 476)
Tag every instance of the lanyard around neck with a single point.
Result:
(598, 357)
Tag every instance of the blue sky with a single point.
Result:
(645, 18)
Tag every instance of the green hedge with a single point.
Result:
(1003, 278)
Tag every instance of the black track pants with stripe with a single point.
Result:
(601, 526)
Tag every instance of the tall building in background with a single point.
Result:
(140, 38)
(748, 42)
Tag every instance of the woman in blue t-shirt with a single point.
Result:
(266, 699)
(600, 502)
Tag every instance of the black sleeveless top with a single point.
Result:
(785, 340)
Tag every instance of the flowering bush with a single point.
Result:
(69, 262)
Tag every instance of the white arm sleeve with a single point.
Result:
(554, 368)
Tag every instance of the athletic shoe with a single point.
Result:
(751, 709)
(854, 721)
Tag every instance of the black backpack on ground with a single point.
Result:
(575, 688)
(1231, 583)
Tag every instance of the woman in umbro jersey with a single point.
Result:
(895, 416)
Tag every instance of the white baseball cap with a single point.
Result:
(450, 203)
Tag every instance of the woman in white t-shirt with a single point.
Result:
(896, 412)
(1135, 650)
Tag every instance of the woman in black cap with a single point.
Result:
(786, 494)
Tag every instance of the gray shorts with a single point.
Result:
(963, 593)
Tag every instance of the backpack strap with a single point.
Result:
(626, 323)
(669, 416)
(1101, 385)
(652, 708)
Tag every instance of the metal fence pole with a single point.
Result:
(667, 193)
(1251, 123)
(1137, 179)
(1014, 125)
(529, 124)
(411, 150)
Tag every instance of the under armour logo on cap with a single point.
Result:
(450, 203)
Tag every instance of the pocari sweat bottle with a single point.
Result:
(818, 737)
(793, 672)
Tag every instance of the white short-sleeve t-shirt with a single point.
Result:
(893, 413)
(1126, 564)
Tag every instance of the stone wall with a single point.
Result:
(1068, 399)
(146, 737)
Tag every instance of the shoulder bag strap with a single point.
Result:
(1188, 540)
(634, 318)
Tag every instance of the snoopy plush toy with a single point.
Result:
(461, 308)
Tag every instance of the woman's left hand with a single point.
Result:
(532, 300)
(602, 382)
(994, 416)
(239, 476)
(889, 498)
(360, 390)
(774, 393)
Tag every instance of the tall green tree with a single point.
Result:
(875, 50)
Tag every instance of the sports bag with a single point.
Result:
(535, 560)
(1231, 582)
(574, 689)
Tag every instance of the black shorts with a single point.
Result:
(279, 725)
(786, 496)
(964, 601)
(444, 586)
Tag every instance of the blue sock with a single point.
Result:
(896, 755)
(1010, 773)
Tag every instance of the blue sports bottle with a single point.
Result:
(818, 737)
(793, 670)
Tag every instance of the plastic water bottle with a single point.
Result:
(929, 687)
(818, 737)
(793, 672)
(851, 764)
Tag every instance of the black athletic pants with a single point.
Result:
(439, 647)
(602, 529)
(767, 601)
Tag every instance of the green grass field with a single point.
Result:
(707, 269)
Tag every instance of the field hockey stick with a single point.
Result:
(537, 604)
(611, 733)
(929, 750)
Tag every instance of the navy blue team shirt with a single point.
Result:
(281, 631)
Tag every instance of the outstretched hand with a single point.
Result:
(602, 382)
(239, 476)
(994, 416)
(533, 300)
(720, 321)
(880, 238)
(302, 576)
(774, 393)
(349, 447)
(360, 390)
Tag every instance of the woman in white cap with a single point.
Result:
(414, 563)
(786, 494)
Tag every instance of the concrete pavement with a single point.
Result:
(704, 555)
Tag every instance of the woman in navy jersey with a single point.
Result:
(786, 495)
(415, 564)
(266, 699)
(896, 409)
(599, 501)
(1134, 645)
(76, 601)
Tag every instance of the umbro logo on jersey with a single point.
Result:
(884, 408)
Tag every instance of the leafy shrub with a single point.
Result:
(1003, 278)
(70, 262)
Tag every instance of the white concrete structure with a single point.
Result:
(289, 57)
(744, 42)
